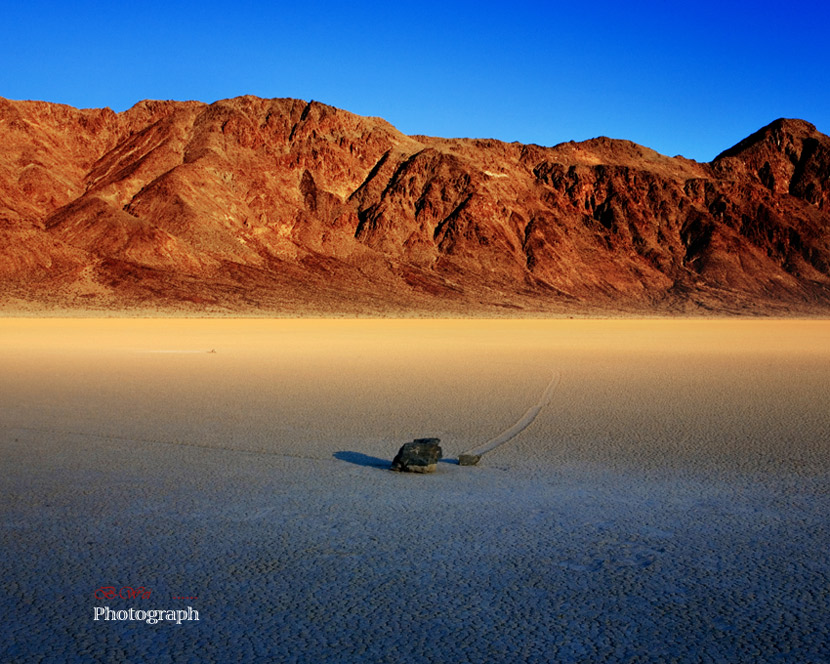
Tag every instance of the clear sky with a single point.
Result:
(688, 78)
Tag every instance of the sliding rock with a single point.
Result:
(468, 459)
(419, 456)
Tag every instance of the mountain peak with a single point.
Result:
(775, 136)
(788, 156)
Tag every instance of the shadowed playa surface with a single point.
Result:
(669, 501)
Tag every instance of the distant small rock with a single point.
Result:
(419, 456)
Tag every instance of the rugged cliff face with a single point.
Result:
(283, 207)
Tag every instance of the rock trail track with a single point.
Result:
(522, 423)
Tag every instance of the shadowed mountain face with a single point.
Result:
(283, 207)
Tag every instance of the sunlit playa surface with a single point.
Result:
(649, 491)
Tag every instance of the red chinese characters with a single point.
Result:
(125, 592)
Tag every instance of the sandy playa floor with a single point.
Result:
(669, 504)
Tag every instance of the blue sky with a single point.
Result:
(682, 78)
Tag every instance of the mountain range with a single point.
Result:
(282, 207)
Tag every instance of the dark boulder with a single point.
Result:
(419, 456)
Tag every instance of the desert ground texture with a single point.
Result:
(668, 503)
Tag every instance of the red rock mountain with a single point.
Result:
(282, 207)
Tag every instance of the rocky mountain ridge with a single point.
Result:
(285, 207)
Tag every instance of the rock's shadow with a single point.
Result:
(361, 459)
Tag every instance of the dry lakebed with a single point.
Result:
(668, 502)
